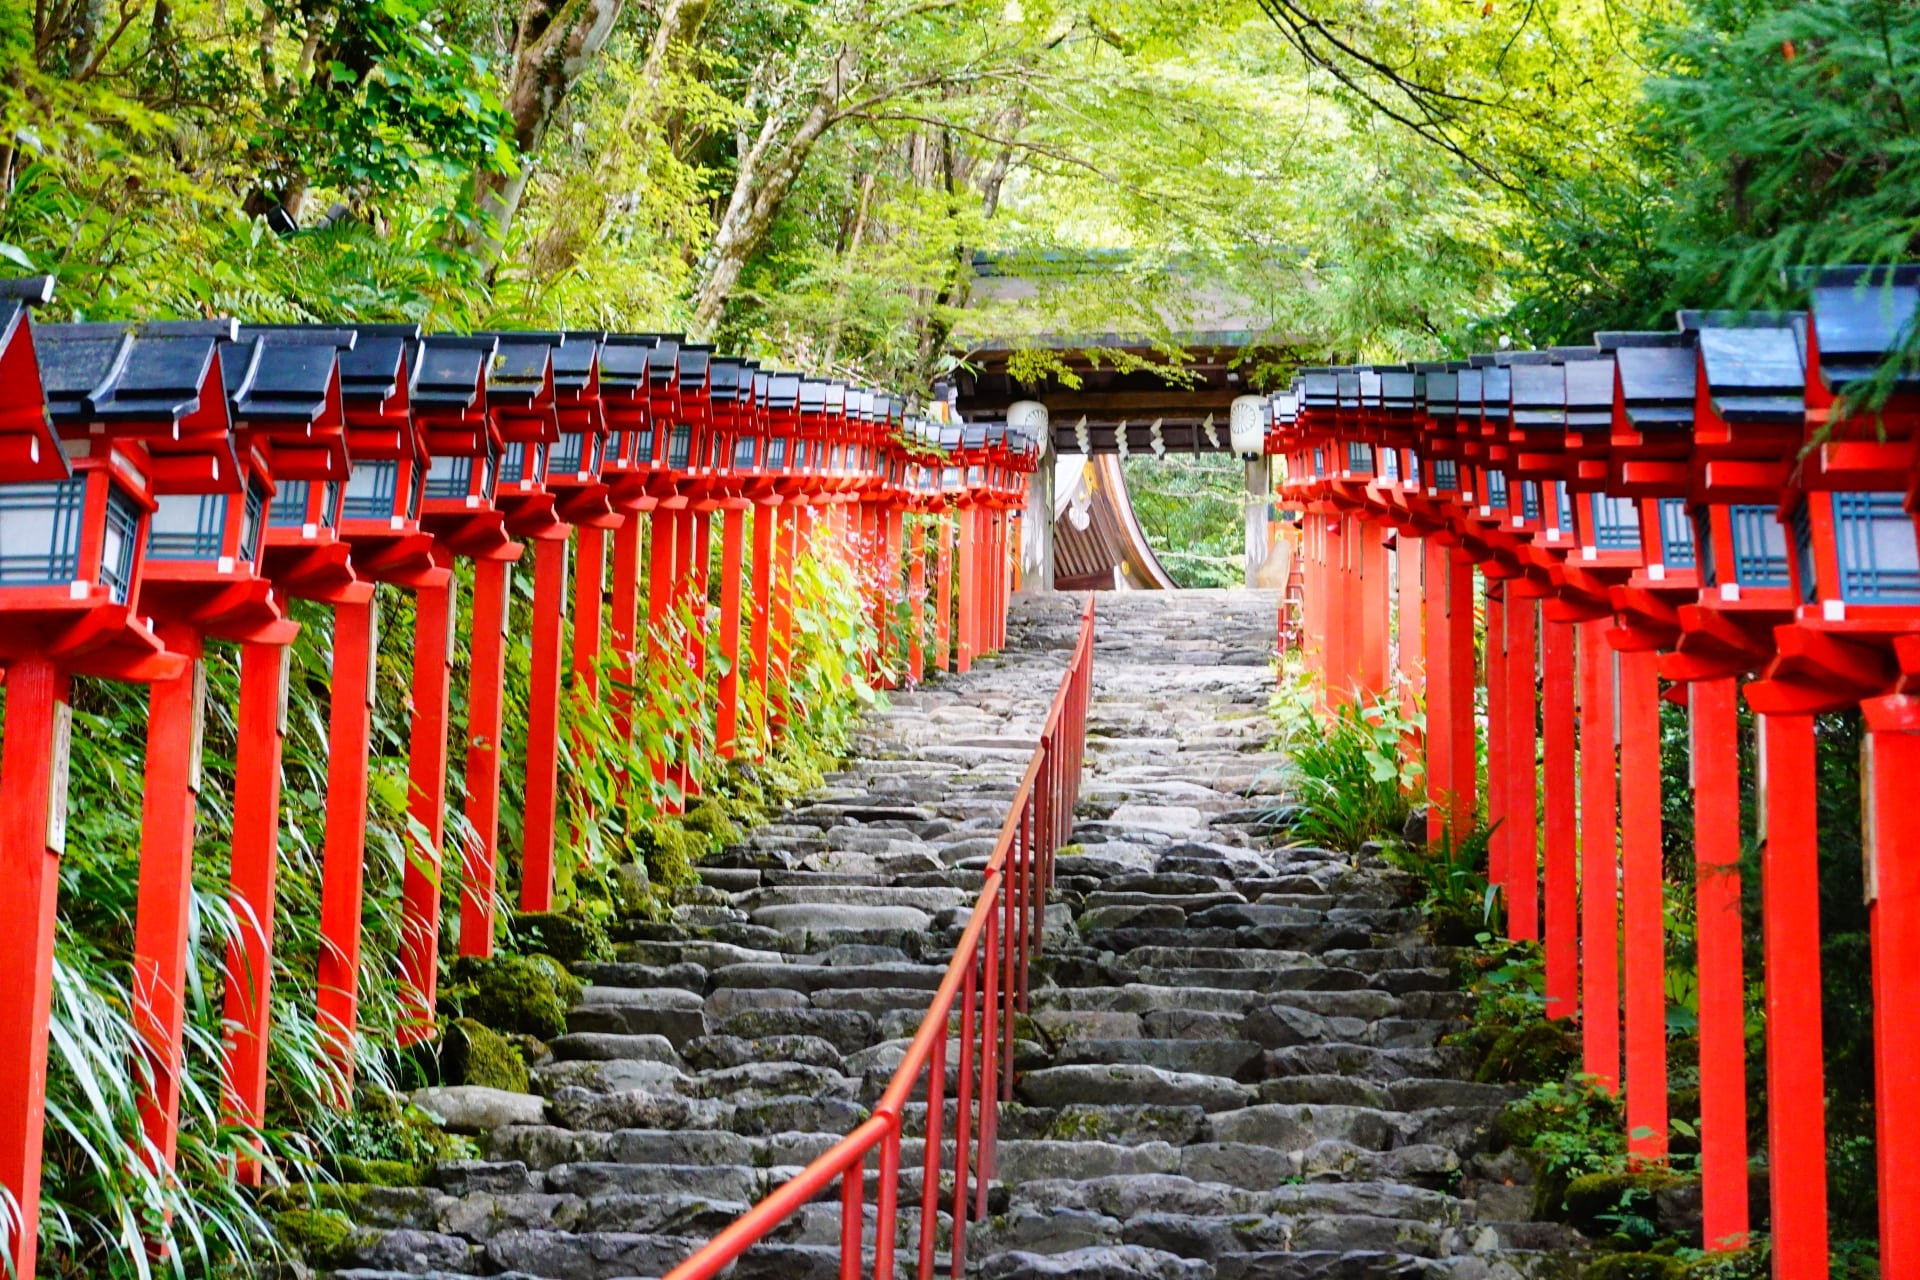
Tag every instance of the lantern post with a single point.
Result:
(74, 512)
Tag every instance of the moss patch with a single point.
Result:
(525, 995)
(1527, 1053)
(378, 1173)
(568, 936)
(317, 1235)
(712, 821)
(1636, 1266)
(670, 852)
(476, 1054)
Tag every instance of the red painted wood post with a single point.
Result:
(969, 591)
(589, 599)
(680, 605)
(1562, 785)
(1599, 863)
(543, 722)
(624, 619)
(699, 552)
(1373, 586)
(175, 723)
(434, 610)
(916, 600)
(786, 546)
(1498, 743)
(1644, 906)
(659, 610)
(1408, 557)
(1337, 657)
(1893, 912)
(1440, 685)
(343, 862)
(1796, 1074)
(1523, 783)
(733, 537)
(943, 572)
(33, 805)
(1460, 670)
(255, 874)
(1715, 753)
(766, 517)
(487, 664)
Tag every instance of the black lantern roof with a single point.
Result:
(453, 370)
(1346, 384)
(623, 360)
(127, 373)
(521, 367)
(728, 381)
(694, 365)
(1443, 392)
(1861, 316)
(973, 435)
(663, 363)
(1589, 391)
(573, 358)
(783, 391)
(1496, 391)
(1370, 388)
(950, 436)
(282, 376)
(372, 368)
(1397, 389)
(1755, 364)
(1656, 377)
(1319, 389)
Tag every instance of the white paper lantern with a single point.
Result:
(1245, 428)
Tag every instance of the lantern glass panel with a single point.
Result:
(1359, 458)
(1319, 463)
(1676, 534)
(370, 489)
(743, 451)
(679, 447)
(251, 519)
(523, 461)
(289, 510)
(1616, 523)
(187, 526)
(1529, 500)
(330, 504)
(1563, 505)
(571, 455)
(1496, 488)
(116, 550)
(1759, 547)
(643, 447)
(40, 532)
(1879, 556)
(1390, 464)
(1446, 474)
(777, 453)
(449, 476)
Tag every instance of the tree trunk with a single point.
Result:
(766, 176)
(555, 42)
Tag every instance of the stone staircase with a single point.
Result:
(1230, 1072)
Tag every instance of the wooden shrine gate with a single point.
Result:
(1698, 508)
(169, 483)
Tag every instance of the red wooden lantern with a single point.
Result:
(74, 513)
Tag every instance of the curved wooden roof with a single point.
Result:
(1098, 544)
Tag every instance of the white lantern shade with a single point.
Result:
(1029, 416)
(1245, 427)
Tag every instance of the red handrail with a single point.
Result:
(988, 973)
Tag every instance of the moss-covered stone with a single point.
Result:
(1531, 1053)
(1598, 1196)
(1740, 1264)
(711, 820)
(670, 852)
(525, 995)
(473, 1053)
(1635, 1266)
(568, 936)
(317, 1235)
(378, 1173)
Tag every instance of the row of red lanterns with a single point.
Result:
(1713, 506)
(165, 484)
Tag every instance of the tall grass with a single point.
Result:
(1349, 775)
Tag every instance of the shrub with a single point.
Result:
(1351, 780)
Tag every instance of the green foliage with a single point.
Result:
(1350, 779)
(473, 1053)
(1190, 507)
